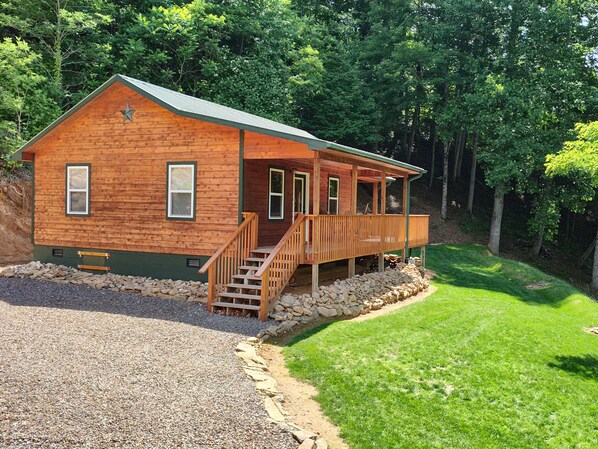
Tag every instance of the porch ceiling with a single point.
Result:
(369, 170)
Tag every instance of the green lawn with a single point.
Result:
(481, 363)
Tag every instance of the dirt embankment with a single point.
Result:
(15, 221)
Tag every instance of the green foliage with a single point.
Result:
(579, 157)
(485, 362)
(24, 105)
(390, 76)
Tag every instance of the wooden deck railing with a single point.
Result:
(280, 265)
(336, 237)
(226, 260)
(418, 230)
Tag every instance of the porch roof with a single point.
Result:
(192, 107)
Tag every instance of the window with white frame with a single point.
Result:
(333, 187)
(276, 194)
(181, 190)
(77, 189)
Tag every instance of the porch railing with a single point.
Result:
(226, 260)
(335, 237)
(280, 265)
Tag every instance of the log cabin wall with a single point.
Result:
(256, 193)
(128, 178)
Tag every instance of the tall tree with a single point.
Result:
(579, 161)
(24, 104)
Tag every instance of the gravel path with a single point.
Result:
(86, 368)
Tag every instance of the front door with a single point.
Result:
(301, 196)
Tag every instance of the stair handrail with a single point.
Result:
(297, 230)
(248, 217)
(222, 265)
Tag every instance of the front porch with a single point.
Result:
(303, 210)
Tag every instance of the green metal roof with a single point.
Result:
(188, 106)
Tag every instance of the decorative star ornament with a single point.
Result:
(127, 112)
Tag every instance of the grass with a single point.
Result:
(482, 363)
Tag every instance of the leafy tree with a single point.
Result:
(24, 105)
(578, 160)
(71, 37)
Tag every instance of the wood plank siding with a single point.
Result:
(256, 193)
(128, 178)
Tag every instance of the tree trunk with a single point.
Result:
(499, 202)
(57, 53)
(445, 175)
(538, 243)
(414, 125)
(595, 269)
(433, 164)
(456, 157)
(474, 163)
(586, 255)
(405, 132)
(461, 152)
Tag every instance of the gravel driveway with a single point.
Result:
(86, 368)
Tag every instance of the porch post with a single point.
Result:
(316, 186)
(382, 226)
(352, 234)
(315, 268)
(375, 200)
(405, 194)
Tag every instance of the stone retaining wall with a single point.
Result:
(351, 297)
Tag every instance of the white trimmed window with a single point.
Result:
(333, 187)
(181, 190)
(77, 189)
(276, 194)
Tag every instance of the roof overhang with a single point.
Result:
(353, 156)
(326, 148)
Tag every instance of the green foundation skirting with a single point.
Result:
(155, 265)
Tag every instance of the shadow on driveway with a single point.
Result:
(37, 293)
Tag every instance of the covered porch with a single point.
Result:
(299, 205)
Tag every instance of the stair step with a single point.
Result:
(244, 286)
(247, 277)
(267, 252)
(249, 267)
(254, 259)
(235, 306)
(239, 296)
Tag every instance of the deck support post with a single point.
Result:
(383, 228)
(353, 232)
(315, 277)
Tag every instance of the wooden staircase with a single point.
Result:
(242, 296)
(244, 279)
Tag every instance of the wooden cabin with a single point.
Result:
(138, 179)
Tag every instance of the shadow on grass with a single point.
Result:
(584, 366)
(473, 267)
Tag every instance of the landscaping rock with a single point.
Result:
(192, 291)
(321, 443)
(347, 298)
(307, 444)
(273, 410)
(301, 435)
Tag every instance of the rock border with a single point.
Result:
(193, 291)
(266, 386)
(346, 298)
